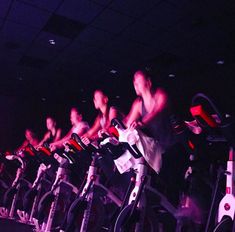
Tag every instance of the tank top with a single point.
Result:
(51, 137)
(159, 128)
(104, 118)
(81, 126)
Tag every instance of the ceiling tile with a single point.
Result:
(134, 8)
(181, 3)
(4, 6)
(142, 33)
(114, 60)
(42, 52)
(7, 57)
(95, 37)
(28, 15)
(50, 5)
(76, 52)
(162, 15)
(1, 22)
(82, 10)
(63, 26)
(112, 22)
(46, 39)
(102, 2)
(18, 34)
(121, 49)
(33, 62)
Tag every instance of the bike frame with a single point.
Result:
(227, 204)
(87, 193)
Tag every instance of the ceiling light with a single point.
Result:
(171, 75)
(113, 71)
(220, 62)
(147, 68)
(117, 96)
(52, 41)
(43, 99)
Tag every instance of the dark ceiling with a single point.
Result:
(54, 53)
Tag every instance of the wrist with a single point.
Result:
(141, 123)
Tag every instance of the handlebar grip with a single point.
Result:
(78, 140)
(198, 111)
(72, 144)
(118, 122)
(45, 151)
(90, 147)
(135, 151)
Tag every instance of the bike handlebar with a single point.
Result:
(224, 126)
(14, 157)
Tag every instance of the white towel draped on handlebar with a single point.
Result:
(152, 151)
(149, 148)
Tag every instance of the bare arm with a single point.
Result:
(23, 145)
(92, 132)
(82, 130)
(45, 138)
(59, 143)
(134, 114)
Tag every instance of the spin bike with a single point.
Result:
(90, 199)
(5, 176)
(138, 215)
(51, 198)
(6, 212)
(226, 209)
(32, 196)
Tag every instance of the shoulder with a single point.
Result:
(160, 91)
(113, 113)
(113, 109)
(79, 127)
(35, 142)
(25, 143)
(83, 124)
(47, 134)
(162, 98)
(137, 102)
(59, 130)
